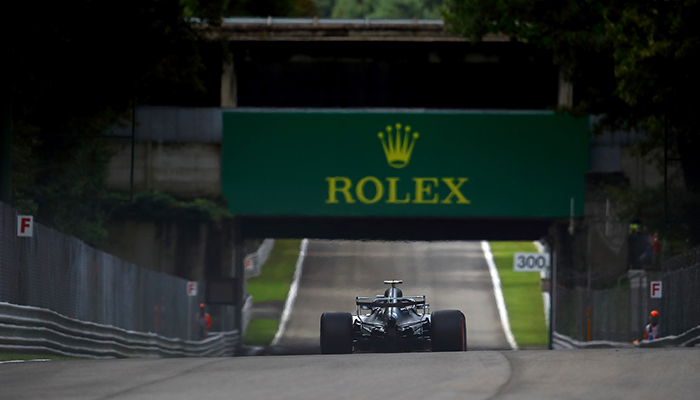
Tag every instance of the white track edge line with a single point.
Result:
(23, 361)
(545, 295)
(545, 301)
(500, 302)
(292, 295)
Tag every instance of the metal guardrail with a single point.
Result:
(271, 21)
(258, 258)
(34, 329)
(563, 342)
(247, 312)
(690, 338)
(256, 261)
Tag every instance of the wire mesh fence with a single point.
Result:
(604, 276)
(680, 302)
(617, 314)
(61, 273)
(602, 283)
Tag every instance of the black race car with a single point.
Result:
(391, 323)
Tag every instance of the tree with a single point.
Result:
(214, 10)
(76, 72)
(78, 67)
(405, 9)
(633, 61)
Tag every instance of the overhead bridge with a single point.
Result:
(402, 174)
(327, 29)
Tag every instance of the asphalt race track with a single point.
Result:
(522, 375)
(452, 275)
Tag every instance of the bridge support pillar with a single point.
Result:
(566, 91)
(229, 85)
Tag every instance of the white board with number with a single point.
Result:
(530, 262)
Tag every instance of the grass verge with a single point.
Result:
(522, 294)
(261, 331)
(277, 273)
(272, 285)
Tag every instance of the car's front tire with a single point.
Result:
(448, 331)
(336, 333)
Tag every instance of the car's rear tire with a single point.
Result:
(336, 333)
(448, 331)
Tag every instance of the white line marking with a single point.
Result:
(543, 275)
(539, 246)
(545, 301)
(23, 361)
(496, 280)
(292, 295)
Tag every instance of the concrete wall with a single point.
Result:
(613, 152)
(186, 169)
(185, 249)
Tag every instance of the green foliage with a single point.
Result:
(633, 61)
(646, 206)
(214, 10)
(400, 9)
(76, 73)
(325, 8)
(261, 331)
(156, 206)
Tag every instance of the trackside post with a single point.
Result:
(552, 283)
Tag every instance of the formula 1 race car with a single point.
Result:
(391, 323)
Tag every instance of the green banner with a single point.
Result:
(364, 163)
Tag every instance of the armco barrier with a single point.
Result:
(33, 329)
(687, 339)
(247, 312)
(563, 342)
(258, 258)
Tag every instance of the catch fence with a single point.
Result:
(620, 312)
(680, 302)
(61, 273)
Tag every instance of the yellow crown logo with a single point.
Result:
(398, 148)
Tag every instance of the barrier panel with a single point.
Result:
(33, 329)
(57, 272)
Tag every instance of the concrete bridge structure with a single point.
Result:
(308, 63)
(329, 63)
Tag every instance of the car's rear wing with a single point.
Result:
(387, 302)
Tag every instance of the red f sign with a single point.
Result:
(191, 289)
(25, 226)
(655, 289)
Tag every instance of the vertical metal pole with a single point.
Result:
(6, 146)
(589, 300)
(552, 282)
(133, 136)
(189, 316)
(607, 217)
(588, 324)
(665, 172)
(571, 217)
(239, 268)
